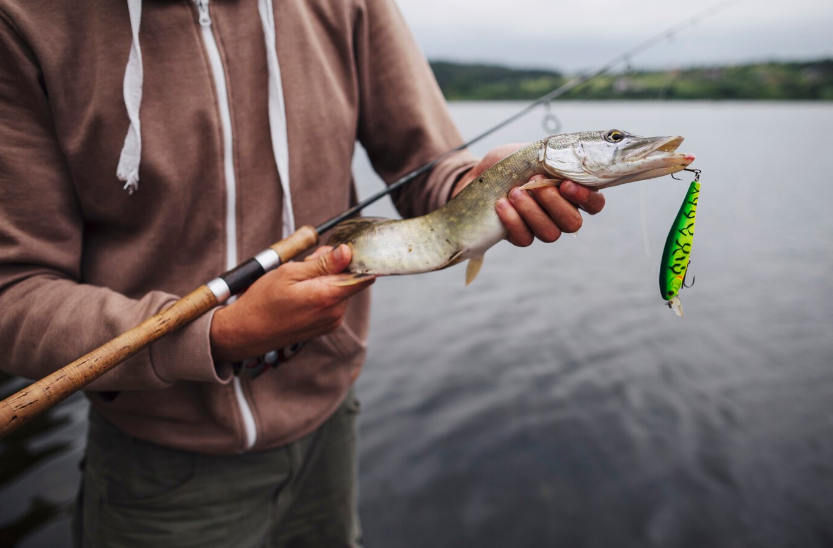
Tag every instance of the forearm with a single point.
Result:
(438, 187)
(48, 322)
(404, 121)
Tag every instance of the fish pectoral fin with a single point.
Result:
(541, 183)
(473, 268)
(343, 280)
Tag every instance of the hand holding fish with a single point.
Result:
(544, 212)
(297, 302)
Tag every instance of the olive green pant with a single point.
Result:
(135, 494)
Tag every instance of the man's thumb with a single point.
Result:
(330, 263)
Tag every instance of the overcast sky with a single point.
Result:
(573, 35)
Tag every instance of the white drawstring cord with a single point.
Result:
(277, 113)
(131, 153)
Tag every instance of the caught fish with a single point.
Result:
(468, 225)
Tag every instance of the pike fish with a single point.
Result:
(468, 225)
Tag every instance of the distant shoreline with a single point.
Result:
(578, 100)
(809, 81)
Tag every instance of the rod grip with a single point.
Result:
(296, 243)
(19, 408)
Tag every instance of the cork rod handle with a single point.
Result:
(21, 407)
(296, 243)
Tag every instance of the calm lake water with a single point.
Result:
(556, 401)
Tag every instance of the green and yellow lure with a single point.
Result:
(678, 248)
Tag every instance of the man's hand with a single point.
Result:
(296, 302)
(543, 212)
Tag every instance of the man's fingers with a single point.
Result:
(534, 216)
(591, 201)
(324, 273)
(563, 213)
(326, 264)
(353, 282)
(519, 233)
(324, 249)
(337, 291)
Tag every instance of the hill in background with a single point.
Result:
(812, 81)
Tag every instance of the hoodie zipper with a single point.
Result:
(219, 74)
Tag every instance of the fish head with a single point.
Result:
(601, 159)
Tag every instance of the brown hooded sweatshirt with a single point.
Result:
(82, 260)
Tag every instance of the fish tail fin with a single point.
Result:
(345, 230)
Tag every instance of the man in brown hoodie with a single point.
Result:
(146, 147)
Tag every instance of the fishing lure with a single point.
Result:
(675, 256)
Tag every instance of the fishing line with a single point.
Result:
(557, 92)
(643, 217)
(643, 207)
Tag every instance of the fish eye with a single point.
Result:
(614, 136)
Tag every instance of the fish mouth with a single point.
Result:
(660, 147)
(650, 157)
(662, 150)
(671, 144)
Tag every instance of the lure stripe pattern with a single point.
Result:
(678, 245)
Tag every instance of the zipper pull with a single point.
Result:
(202, 8)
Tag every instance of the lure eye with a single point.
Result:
(614, 136)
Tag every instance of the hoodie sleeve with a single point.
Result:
(403, 118)
(47, 317)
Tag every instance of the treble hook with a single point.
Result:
(696, 173)
(693, 278)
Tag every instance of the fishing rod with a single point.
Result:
(21, 407)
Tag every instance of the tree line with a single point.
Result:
(803, 81)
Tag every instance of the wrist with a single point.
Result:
(223, 349)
